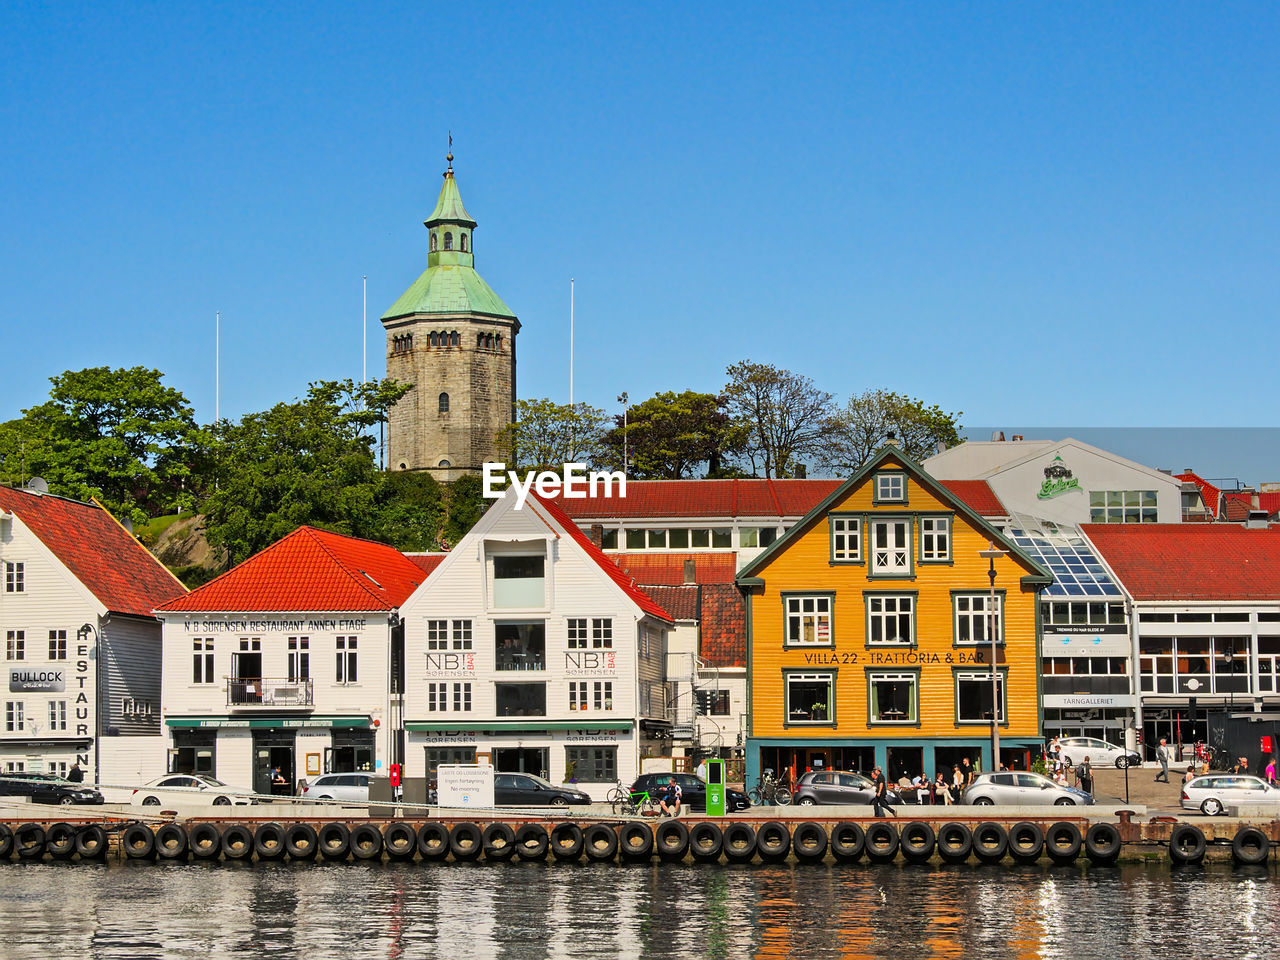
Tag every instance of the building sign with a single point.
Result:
(582, 663)
(883, 658)
(300, 625)
(37, 681)
(451, 664)
(1085, 628)
(590, 736)
(1121, 701)
(1057, 479)
(449, 738)
(464, 785)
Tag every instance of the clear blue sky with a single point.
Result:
(1031, 213)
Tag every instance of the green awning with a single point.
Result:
(266, 723)
(508, 726)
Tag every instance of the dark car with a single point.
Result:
(693, 791)
(46, 788)
(833, 786)
(526, 790)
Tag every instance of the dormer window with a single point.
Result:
(891, 487)
(448, 241)
(462, 242)
(433, 241)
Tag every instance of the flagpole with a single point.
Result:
(571, 341)
(364, 331)
(217, 366)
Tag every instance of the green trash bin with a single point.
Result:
(715, 788)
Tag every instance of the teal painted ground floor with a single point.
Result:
(898, 758)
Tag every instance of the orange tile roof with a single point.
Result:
(308, 570)
(98, 551)
(680, 602)
(978, 495)
(426, 562)
(667, 569)
(1209, 494)
(1191, 561)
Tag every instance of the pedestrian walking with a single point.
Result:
(1271, 771)
(1162, 754)
(1084, 776)
(880, 799)
(75, 774)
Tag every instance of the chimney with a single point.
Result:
(596, 534)
(891, 439)
(690, 571)
(997, 436)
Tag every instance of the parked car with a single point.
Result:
(353, 787)
(1212, 794)
(1100, 753)
(526, 790)
(1022, 789)
(832, 786)
(47, 788)
(190, 788)
(693, 791)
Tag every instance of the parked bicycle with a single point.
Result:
(769, 790)
(624, 801)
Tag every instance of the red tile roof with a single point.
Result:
(1237, 505)
(668, 568)
(680, 602)
(722, 639)
(426, 562)
(1209, 494)
(641, 599)
(98, 551)
(727, 499)
(1177, 561)
(310, 570)
(978, 495)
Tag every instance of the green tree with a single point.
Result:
(670, 435)
(861, 427)
(408, 511)
(466, 505)
(119, 435)
(307, 462)
(786, 416)
(547, 435)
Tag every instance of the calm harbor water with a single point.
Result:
(459, 911)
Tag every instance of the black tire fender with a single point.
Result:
(600, 842)
(400, 840)
(172, 842)
(809, 841)
(1250, 846)
(268, 842)
(498, 841)
(848, 842)
(237, 842)
(532, 842)
(1102, 842)
(6, 841)
(1063, 841)
(1026, 841)
(204, 841)
(882, 841)
(990, 842)
(91, 842)
(566, 841)
(918, 841)
(635, 839)
(773, 841)
(465, 841)
(1187, 844)
(301, 841)
(433, 841)
(60, 841)
(955, 842)
(138, 841)
(671, 839)
(366, 842)
(738, 841)
(334, 841)
(706, 840)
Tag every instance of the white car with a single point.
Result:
(189, 788)
(1100, 753)
(1212, 794)
(338, 786)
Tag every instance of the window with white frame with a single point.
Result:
(973, 697)
(14, 716)
(809, 697)
(15, 578)
(808, 620)
(935, 539)
(577, 633)
(713, 703)
(893, 697)
(202, 660)
(299, 659)
(975, 617)
(348, 665)
(449, 634)
(891, 487)
(592, 764)
(57, 714)
(891, 547)
(15, 766)
(846, 539)
(577, 695)
(891, 619)
(57, 767)
(439, 697)
(462, 698)
(57, 644)
(602, 695)
(15, 645)
(135, 708)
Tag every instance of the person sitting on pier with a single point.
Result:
(671, 794)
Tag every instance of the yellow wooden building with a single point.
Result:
(869, 634)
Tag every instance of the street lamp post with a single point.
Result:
(990, 554)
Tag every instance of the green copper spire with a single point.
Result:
(450, 284)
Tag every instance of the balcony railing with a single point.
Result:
(269, 692)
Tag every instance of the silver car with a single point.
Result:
(1022, 789)
(1212, 794)
(1073, 750)
(351, 787)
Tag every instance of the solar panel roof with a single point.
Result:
(1064, 552)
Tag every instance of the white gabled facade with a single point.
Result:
(523, 648)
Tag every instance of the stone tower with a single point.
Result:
(454, 339)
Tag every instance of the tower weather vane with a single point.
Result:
(449, 155)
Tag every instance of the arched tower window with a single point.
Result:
(433, 340)
(448, 241)
(456, 340)
(433, 241)
(444, 463)
(462, 242)
(444, 403)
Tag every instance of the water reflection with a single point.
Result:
(528, 910)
